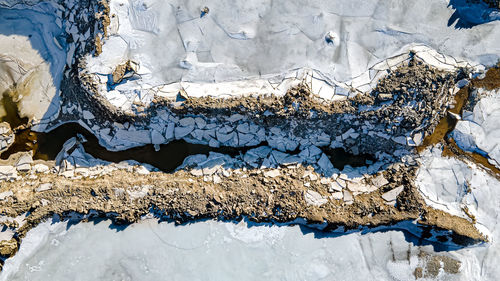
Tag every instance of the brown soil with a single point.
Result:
(491, 81)
(183, 197)
(452, 150)
(448, 122)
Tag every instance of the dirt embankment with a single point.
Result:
(125, 197)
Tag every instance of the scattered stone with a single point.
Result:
(326, 166)
(379, 181)
(141, 170)
(181, 132)
(314, 198)
(390, 196)
(337, 185)
(6, 194)
(196, 172)
(43, 187)
(348, 198)
(23, 163)
(337, 195)
(8, 248)
(272, 173)
(8, 173)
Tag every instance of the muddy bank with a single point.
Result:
(260, 196)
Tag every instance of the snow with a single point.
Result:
(210, 250)
(243, 48)
(32, 56)
(479, 131)
(450, 185)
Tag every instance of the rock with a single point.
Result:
(6, 194)
(40, 168)
(181, 132)
(88, 115)
(23, 163)
(326, 166)
(157, 138)
(337, 195)
(8, 248)
(187, 122)
(379, 181)
(390, 196)
(8, 173)
(169, 132)
(348, 199)
(123, 71)
(272, 173)
(314, 198)
(43, 187)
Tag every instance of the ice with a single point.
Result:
(239, 47)
(209, 250)
(32, 56)
(466, 185)
(480, 131)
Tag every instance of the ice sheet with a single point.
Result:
(210, 251)
(240, 39)
(479, 131)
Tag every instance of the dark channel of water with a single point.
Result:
(46, 146)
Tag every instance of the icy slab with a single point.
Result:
(212, 251)
(239, 48)
(455, 186)
(479, 131)
(32, 56)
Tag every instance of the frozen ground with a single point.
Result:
(226, 251)
(269, 40)
(459, 188)
(32, 57)
(212, 251)
(479, 130)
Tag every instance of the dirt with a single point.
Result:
(183, 197)
(433, 264)
(491, 81)
(120, 72)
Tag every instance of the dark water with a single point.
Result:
(46, 146)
